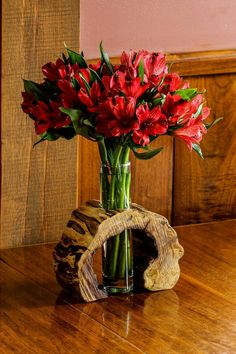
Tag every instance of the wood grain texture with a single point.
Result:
(198, 63)
(39, 185)
(197, 317)
(203, 63)
(88, 171)
(205, 190)
(152, 179)
(50, 325)
(156, 249)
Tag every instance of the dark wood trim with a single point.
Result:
(199, 63)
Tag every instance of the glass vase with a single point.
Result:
(117, 252)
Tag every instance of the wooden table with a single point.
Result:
(198, 316)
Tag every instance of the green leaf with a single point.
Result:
(50, 134)
(141, 71)
(86, 83)
(210, 125)
(76, 58)
(187, 94)
(198, 150)
(54, 134)
(86, 131)
(64, 58)
(75, 84)
(156, 101)
(146, 155)
(66, 132)
(34, 89)
(88, 123)
(75, 116)
(106, 60)
(95, 76)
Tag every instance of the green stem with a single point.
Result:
(118, 248)
(113, 178)
(102, 151)
(124, 203)
(116, 239)
(105, 185)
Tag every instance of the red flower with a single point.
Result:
(130, 87)
(48, 116)
(193, 131)
(154, 65)
(86, 74)
(58, 71)
(27, 103)
(90, 100)
(96, 66)
(117, 116)
(151, 123)
(179, 111)
(171, 83)
(132, 59)
(69, 96)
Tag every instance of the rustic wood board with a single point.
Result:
(156, 249)
(39, 186)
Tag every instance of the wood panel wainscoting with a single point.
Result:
(40, 187)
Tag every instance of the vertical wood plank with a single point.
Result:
(206, 190)
(39, 186)
(88, 171)
(152, 179)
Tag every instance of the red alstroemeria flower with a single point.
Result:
(130, 62)
(69, 96)
(118, 114)
(86, 74)
(95, 66)
(151, 123)
(154, 65)
(103, 119)
(58, 71)
(90, 100)
(48, 116)
(171, 83)
(132, 59)
(27, 103)
(131, 88)
(123, 110)
(193, 131)
(179, 111)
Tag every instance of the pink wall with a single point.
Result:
(170, 25)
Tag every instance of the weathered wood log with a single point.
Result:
(156, 249)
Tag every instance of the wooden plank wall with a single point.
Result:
(39, 186)
(204, 191)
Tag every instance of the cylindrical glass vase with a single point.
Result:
(117, 252)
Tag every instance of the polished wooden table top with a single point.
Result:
(197, 316)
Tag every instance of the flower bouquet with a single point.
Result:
(122, 107)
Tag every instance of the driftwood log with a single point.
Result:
(155, 246)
